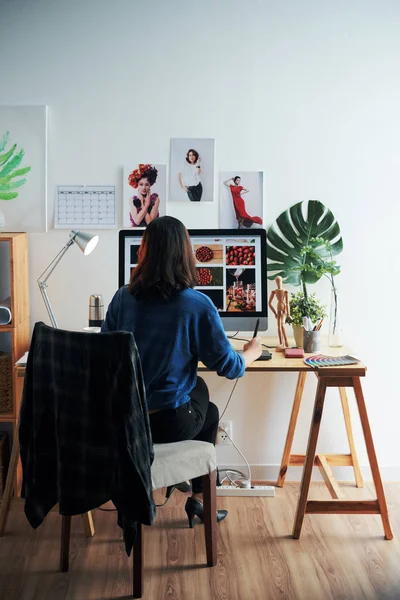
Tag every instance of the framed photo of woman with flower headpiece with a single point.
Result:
(145, 192)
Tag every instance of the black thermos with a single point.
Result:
(96, 310)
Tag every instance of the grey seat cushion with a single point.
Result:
(180, 461)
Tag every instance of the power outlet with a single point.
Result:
(224, 428)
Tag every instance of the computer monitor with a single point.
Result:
(231, 267)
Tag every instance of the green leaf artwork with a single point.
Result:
(302, 248)
(10, 170)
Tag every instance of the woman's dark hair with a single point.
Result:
(235, 178)
(194, 152)
(143, 171)
(151, 175)
(166, 261)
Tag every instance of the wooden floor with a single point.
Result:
(337, 557)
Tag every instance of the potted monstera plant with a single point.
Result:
(302, 244)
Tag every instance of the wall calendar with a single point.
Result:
(86, 207)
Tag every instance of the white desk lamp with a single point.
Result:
(86, 243)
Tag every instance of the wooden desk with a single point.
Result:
(342, 378)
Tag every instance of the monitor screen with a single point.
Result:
(231, 271)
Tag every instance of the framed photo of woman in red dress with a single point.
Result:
(241, 200)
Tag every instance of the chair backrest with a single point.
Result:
(84, 428)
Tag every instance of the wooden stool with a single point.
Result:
(341, 378)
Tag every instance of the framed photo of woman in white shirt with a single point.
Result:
(192, 170)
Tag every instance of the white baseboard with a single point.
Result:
(270, 472)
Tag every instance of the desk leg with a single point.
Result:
(376, 476)
(291, 429)
(310, 457)
(349, 430)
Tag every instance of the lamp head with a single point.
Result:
(85, 241)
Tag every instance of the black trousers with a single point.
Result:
(195, 420)
(195, 192)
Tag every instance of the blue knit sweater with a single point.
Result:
(171, 338)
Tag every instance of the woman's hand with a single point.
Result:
(252, 350)
(138, 214)
(146, 200)
(185, 187)
(198, 166)
(153, 214)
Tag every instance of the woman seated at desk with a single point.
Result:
(175, 327)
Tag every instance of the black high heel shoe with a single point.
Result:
(194, 507)
(184, 487)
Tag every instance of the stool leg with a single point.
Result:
(291, 429)
(376, 476)
(349, 430)
(310, 457)
(88, 526)
(10, 481)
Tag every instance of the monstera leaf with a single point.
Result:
(302, 248)
(9, 170)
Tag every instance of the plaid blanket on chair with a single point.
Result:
(84, 429)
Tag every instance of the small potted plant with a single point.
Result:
(301, 306)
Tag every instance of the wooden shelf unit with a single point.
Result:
(14, 283)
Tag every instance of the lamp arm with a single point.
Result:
(42, 281)
(48, 271)
(43, 291)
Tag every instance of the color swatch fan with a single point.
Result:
(322, 360)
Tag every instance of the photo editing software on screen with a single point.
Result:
(230, 267)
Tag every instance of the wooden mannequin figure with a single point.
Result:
(281, 313)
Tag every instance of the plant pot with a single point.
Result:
(298, 334)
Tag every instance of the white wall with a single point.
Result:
(306, 91)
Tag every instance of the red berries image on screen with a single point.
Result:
(204, 276)
(240, 255)
(204, 254)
